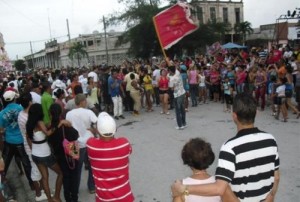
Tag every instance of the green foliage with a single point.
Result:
(78, 52)
(243, 28)
(20, 65)
(205, 35)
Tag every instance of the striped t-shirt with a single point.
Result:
(110, 165)
(247, 162)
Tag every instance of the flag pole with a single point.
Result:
(162, 49)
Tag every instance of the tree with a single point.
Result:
(140, 31)
(243, 28)
(197, 41)
(20, 65)
(78, 52)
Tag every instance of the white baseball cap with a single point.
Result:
(106, 125)
(10, 95)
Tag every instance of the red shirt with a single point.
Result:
(163, 82)
(110, 165)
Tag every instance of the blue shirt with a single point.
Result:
(116, 90)
(9, 121)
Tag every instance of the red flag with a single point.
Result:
(173, 24)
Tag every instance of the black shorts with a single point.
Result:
(48, 161)
(215, 88)
(228, 99)
(163, 92)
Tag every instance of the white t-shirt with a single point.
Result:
(176, 82)
(94, 75)
(155, 76)
(82, 119)
(194, 198)
(22, 120)
(280, 91)
(40, 150)
(36, 98)
(84, 84)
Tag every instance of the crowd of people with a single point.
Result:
(37, 109)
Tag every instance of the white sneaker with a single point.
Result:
(42, 197)
(179, 128)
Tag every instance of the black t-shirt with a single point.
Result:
(56, 139)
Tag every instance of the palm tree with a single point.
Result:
(243, 28)
(77, 51)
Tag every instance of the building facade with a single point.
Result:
(98, 47)
(227, 11)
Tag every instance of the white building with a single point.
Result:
(55, 55)
(227, 11)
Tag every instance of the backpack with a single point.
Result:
(288, 90)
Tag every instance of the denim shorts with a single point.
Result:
(48, 161)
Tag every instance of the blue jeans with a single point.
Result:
(194, 93)
(180, 110)
(90, 182)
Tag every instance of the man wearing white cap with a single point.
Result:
(10, 134)
(109, 158)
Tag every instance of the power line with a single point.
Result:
(36, 41)
(21, 13)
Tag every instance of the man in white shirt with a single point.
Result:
(36, 93)
(83, 120)
(94, 74)
(176, 85)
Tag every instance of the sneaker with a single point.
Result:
(92, 191)
(179, 128)
(42, 197)
(122, 117)
(184, 126)
(117, 118)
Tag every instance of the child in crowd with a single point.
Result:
(228, 93)
(281, 99)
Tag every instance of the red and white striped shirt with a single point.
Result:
(110, 165)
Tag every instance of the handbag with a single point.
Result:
(71, 149)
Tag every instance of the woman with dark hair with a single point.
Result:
(60, 96)
(198, 155)
(41, 152)
(68, 166)
(163, 86)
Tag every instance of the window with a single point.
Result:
(225, 15)
(90, 43)
(98, 42)
(213, 13)
(237, 15)
(200, 14)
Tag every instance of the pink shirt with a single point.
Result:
(193, 77)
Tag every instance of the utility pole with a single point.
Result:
(49, 24)
(106, 47)
(32, 56)
(69, 37)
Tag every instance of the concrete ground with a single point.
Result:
(156, 162)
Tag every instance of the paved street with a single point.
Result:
(156, 161)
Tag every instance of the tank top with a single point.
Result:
(163, 83)
(193, 77)
(194, 198)
(259, 77)
(43, 149)
(202, 81)
(231, 78)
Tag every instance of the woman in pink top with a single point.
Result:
(193, 83)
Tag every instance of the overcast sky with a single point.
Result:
(22, 21)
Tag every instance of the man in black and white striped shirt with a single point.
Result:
(248, 162)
